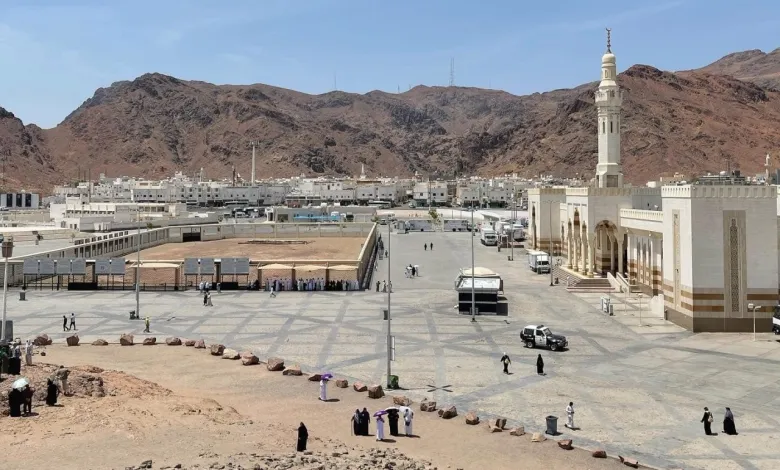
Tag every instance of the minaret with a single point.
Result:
(362, 171)
(609, 99)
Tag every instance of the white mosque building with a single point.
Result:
(702, 253)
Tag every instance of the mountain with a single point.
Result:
(691, 122)
(754, 66)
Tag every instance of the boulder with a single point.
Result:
(72, 340)
(126, 340)
(315, 377)
(472, 418)
(292, 370)
(248, 358)
(100, 342)
(200, 344)
(217, 349)
(342, 383)
(492, 428)
(599, 454)
(189, 342)
(629, 462)
(230, 354)
(518, 431)
(42, 340)
(359, 387)
(150, 341)
(565, 444)
(448, 412)
(375, 391)
(500, 423)
(427, 405)
(401, 401)
(275, 364)
(173, 341)
(538, 437)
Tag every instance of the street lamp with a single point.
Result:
(138, 266)
(7, 252)
(550, 203)
(754, 307)
(389, 290)
(473, 288)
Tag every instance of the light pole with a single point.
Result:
(639, 295)
(473, 287)
(7, 249)
(389, 290)
(551, 244)
(138, 267)
(750, 307)
(512, 228)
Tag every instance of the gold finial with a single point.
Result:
(609, 40)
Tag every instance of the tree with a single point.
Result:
(434, 215)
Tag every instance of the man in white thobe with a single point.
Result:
(570, 415)
(408, 416)
(28, 353)
(323, 390)
(380, 428)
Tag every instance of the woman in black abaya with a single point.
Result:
(356, 423)
(15, 401)
(540, 365)
(303, 436)
(728, 423)
(51, 393)
(392, 419)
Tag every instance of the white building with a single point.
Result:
(431, 192)
(20, 201)
(643, 238)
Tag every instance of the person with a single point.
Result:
(205, 298)
(356, 422)
(28, 353)
(728, 423)
(570, 415)
(506, 361)
(146, 323)
(384, 286)
(365, 421)
(540, 365)
(380, 428)
(431, 246)
(15, 403)
(707, 420)
(64, 323)
(323, 389)
(51, 393)
(377, 286)
(425, 247)
(303, 436)
(392, 421)
(72, 321)
(61, 375)
(208, 299)
(27, 395)
(390, 286)
(273, 292)
(408, 416)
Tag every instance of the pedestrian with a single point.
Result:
(384, 286)
(408, 417)
(208, 299)
(28, 353)
(51, 392)
(707, 419)
(425, 247)
(273, 292)
(540, 365)
(15, 401)
(506, 361)
(61, 376)
(323, 389)
(728, 423)
(27, 395)
(303, 436)
(356, 423)
(380, 428)
(146, 323)
(72, 321)
(431, 246)
(365, 421)
(377, 286)
(64, 323)
(570, 415)
(386, 254)
(205, 298)
(392, 421)
(390, 286)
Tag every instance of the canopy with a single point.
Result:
(278, 267)
(342, 267)
(309, 267)
(478, 272)
(154, 265)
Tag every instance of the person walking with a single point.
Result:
(570, 415)
(377, 286)
(51, 392)
(365, 420)
(506, 361)
(380, 428)
(146, 323)
(392, 420)
(425, 247)
(64, 323)
(28, 353)
(707, 419)
(356, 423)
(27, 396)
(384, 286)
(431, 246)
(728, 423)
(303, 436)
(540, 365)
(72, 321)
(323, 389)
(273, 292)
(408, 417)
(205, 298)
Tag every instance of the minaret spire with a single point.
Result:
(609, 40)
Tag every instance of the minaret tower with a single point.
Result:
(609, 99)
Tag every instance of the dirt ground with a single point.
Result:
(313, 249)
(178, 405)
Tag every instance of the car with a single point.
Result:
(540, 336)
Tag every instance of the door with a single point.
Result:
(539, 338)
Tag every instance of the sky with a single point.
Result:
(55, 54)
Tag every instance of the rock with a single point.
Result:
(275, 364)
(493, 428)
(100, 342)
(472, 418)
(150, 341)
(173, 341)
(629, 462)
(342, 383)
(359, 387)
(200, 344)
(427, 405)
(217, 349)
(401, 401)
(565, 444)
(189, 342)
(42, 340)
(230, 354)
(518, 431)
(292, 370)
(72, 340)
(599, 454)
(249, 359)
(315, 377)
(538, 437)
(146, 464)
(498, 422)
(448, 412)
(126, 340)
(375, 391)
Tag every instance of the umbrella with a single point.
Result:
(20, 383)
(327, 376)
(380, 413)
(402, 410)
(395, 408)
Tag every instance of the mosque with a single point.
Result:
(706, 256)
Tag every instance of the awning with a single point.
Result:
(310, 267)
(342, 267)
(153, 265)
(277, 267)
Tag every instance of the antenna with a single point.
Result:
(452, 71)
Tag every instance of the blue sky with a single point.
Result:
(54, 54)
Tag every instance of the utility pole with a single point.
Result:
(254, 144)
(473, 287)
(389, 291)
(452, 71)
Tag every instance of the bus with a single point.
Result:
(380, 204)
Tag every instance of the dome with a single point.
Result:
(608, 59)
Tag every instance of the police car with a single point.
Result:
(776, 321)
(539, 336)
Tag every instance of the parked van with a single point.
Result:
(539, 261)
(419, 225)
(488, 237)
(455, 225)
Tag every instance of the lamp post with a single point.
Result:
(138, 267)
(752, 307)
(550, 203)
(473, 287)
(7, 252)
(389, 291)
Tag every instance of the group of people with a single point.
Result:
(412, 271)
(311, 284)
(728, 422)
(505, 361)
(20, 398)
(385, 286)
(72, 326)
(362, 419)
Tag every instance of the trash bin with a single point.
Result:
(393, 385)
(22, 295)
(552, 425)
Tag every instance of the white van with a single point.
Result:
(539, 261)
(455, 225)
(419, 225)
(488, 237)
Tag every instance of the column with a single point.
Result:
(592, 259)
(569, 247)
(611, 253)
(620, 253)
(651, 264)
(585, 255)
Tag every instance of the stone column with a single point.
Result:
(569, 247)
(620, 253)
(586, 255)
(611, 253)
(651, 263)
(591, 255)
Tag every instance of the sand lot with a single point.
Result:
(177, 405)
(342, 248)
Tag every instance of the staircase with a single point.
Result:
(578, 283)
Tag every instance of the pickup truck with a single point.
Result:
(539, 336)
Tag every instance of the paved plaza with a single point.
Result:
(638, 390)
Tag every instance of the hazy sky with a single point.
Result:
(54, 54)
